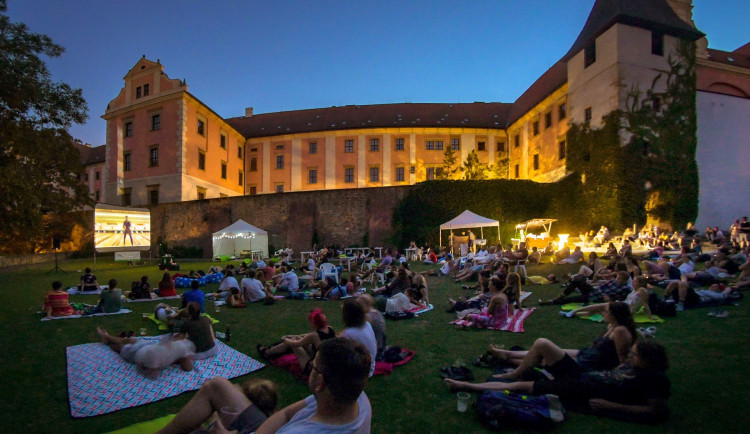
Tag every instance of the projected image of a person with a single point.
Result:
(126, 231)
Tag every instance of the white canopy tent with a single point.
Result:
(239, 236)
(469, 220)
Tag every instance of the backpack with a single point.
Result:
(503, 410)
(661, 307)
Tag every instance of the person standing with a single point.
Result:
(126, 231)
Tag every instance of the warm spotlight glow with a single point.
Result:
(563, 241)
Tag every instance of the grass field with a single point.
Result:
(707, 356)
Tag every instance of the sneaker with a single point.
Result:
(563, 313)
(722, 314)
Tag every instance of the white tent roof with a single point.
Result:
(240, 227)
(468, 219)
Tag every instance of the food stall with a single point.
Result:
(536, 233)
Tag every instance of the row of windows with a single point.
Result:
(152, 195)
(202, 166)
(561, 153)
(155, 125)
(85, 176)
(657, 48)
(153, 159)
(142, 90)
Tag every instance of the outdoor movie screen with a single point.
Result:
(119, 229)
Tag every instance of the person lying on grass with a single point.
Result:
(638, 390)
(303, 346)
(608, 350)
(635, 300)
(149, 355)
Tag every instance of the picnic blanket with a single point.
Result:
(121, 311)
(290, 363)
(420, 309)
(514, 324)
(73, 290)
(639, 317)
(147, 427)
(139, 300)
(164, 326)
(100, 382)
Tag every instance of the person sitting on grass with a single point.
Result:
(254, 289)
(380, 268)
(289, 280)
(635, 391)
(111, 298)
(256, 398)
(418, 290)
(166, 287)
(56, 302)
(149, 355)
(88, 282)
(398, 285)
(635, 300)
(608, 350)
(377, 321)
(338, 402)
(235, 299)
(496, 314)
(199, 330)
(573, 258)
(194, 295)
(512, 291)
(303, 346)
(141, 290)
(354, 317)
(337, 291)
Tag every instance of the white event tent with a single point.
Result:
(239, 236)
(469, 220)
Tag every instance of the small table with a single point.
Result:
(413, 254)
(302, 255)
(256, 254)
(380, 252)
(348, 260)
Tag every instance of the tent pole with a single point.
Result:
(441, 238)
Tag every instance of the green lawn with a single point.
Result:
(709, 394)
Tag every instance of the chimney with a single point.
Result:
(249, 112)
(684, 10)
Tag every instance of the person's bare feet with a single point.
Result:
(499, 352)
(103, 335)
(453, 385)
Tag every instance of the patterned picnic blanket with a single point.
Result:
(421, 309)
(121, 311)
(639, 317)
(514, 324)
(100, 382)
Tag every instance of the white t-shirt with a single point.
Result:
(300, 423)
(291, 281)
(366, 336)
(229, 282)
(252, 289)
(311, 264)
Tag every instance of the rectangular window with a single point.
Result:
(374, 174)
(562, 111)
(97, 195)
(153, 160)
(201, 160)
(517, 171)
(455, 144)
(400, 174)
(434, 145)
(587, 114)
(201, 193)
(430, 173)
(97, 175)
(155, 122)
(547, 120)
(657, 43)
(399, 144)
(313, 147)
(535, 128)
(146, 89)
(500, 146)
(201, 127)
(253, 190)
(254, 164)
(374, 145)
(312, 176)
(85, 177)
(536, 161)
(239, 151)
(279, 161)
(126, 196)
(137, 92)
(348, 175)
(223, 141)
(517, 140)
(127, 162)
(223, 170)
(240, 177)
(279, 188)
(349, 146)
(481, 146)
(153, 195)
(561, 150)
(128, 129)
(412, 169)
(589, 54)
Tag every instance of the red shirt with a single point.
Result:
(166, 289)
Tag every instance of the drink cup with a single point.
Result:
(463, 401)
(143, 331)
(228, 415)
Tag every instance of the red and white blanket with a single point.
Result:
(514, 323)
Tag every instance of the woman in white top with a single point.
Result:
(638, 297)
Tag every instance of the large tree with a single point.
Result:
(39, 166)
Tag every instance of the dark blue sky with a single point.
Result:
(289, 55)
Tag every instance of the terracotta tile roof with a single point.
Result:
(96, 155)
(739, 57)
(470, 115)
(550, 81)
(647, 14)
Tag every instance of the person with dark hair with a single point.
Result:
(199, 330)
(303, 346)
(636, 391)
(166, 286)
(88, 282)
(608, 350)
(56, 302)
(256, 397)
(140, 290)
(338, 402)
(495, 315)
(609, 290)
(254, 289)
(377, 321)
(194, 295)
(358, 329)
(111, 298)
(150, 355)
